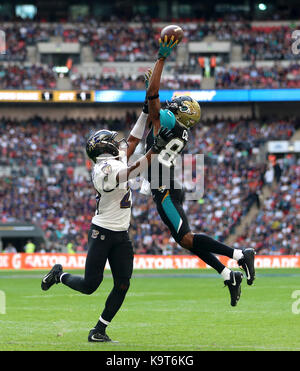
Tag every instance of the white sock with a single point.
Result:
(61, 276)
(237, 254)
(104, 321)
(226, 274)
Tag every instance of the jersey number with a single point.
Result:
(125, 202)
(168, 155)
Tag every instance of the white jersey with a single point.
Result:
(114, 201)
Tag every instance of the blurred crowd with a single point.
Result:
(226, 77)
(132, 82)
(258, 77)
(46, 179)
(124, 41)
(119, 40)
(37, 77)
(258, 43)
(27, 77)
(112, 41)
(275, 230)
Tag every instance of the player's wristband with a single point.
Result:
(145, 106)
(153, 97)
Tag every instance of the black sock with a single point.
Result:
(113, 303)
(209, 259)
(208, 244)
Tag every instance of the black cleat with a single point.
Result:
(51, 277)
(247, 263)
(96, 337)
(234, 285)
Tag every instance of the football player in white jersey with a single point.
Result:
(108, 236)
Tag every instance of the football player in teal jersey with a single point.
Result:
(179, 116)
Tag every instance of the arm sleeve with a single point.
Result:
(139, 127)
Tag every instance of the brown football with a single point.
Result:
(172, 30)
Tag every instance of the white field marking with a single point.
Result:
(38, 308)
(51, 296)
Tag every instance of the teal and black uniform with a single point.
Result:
(167, 192)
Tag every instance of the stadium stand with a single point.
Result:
(45, 171)
(47, 182)
(274, 230)
(112, 42)
(27, 77)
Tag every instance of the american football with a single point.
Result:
(172, 30)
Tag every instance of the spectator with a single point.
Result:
(10, 248)
(29, 247)
(269, 176)
(45, 187)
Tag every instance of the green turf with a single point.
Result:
(164, 310)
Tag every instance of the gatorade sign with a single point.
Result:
(77, 261)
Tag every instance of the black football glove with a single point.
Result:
(163, 137)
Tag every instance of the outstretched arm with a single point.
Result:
(153, 94)
(165, 49)
(137, 131)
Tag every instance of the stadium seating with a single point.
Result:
(107, 44)
(45, 157)
(274, 230)
(26, 76)
(45, 179)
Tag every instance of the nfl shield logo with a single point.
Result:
(102, 237)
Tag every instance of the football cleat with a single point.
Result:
(234, 285)
(52, 277)
(247, 263)
(96, 337)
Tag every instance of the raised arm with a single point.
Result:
(164, 51)
(138, 130)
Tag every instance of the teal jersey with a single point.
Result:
(164, 163)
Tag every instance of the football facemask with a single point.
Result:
(104, 142)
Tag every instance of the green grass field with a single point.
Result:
(182, 310)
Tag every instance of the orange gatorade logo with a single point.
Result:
(77, 261)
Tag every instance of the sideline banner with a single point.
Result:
(77, 261)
